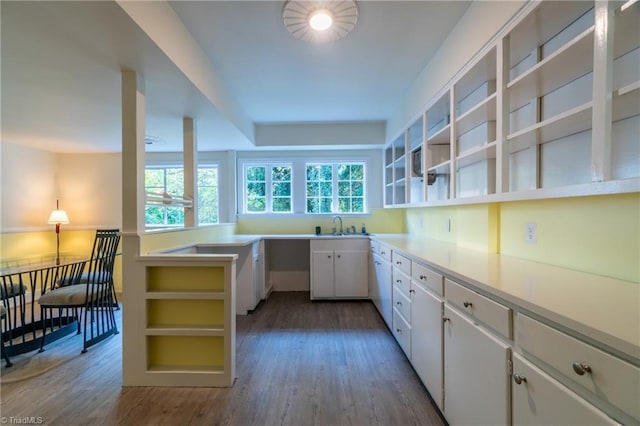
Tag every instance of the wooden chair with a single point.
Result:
(90, 295)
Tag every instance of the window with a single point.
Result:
(268, 188)
(170, 180)
(335, 188)
(208, 195)
(162, 180)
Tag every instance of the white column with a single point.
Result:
(133, 194)
(502, 115)
(133, 131)
(602, 92)
(190, 164)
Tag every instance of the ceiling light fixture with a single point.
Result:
(320, 21)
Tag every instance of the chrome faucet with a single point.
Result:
(340, 219)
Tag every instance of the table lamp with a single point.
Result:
(58, 217)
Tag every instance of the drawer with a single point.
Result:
(428, 278)
(402, 281)
(539, 399)
(401, 262)
(610, 379)
(483, 309)
(374, 247)
(385, 252)
(402, 332)
(402, 303)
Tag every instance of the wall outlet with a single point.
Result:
(531, 235)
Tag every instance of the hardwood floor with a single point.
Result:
(298, 363)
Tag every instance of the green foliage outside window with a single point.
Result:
(268, 189)
(170, 180)
(346, 179)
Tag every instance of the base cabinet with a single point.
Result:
(539, 399)
(339, 269)
(476, 376)
(381, 286)
(427, 339)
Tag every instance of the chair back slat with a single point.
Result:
(103, 254)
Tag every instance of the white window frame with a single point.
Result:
(268, 165)
(335, 203)
(371, 158)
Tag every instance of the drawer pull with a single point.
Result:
(398, 263)
(519, 379)
(581, 367)
(399, 303)
(398, 281)
(445, 319)
(383, 252)
(398, 330)
(412, 291)
(467, 304)
(423, 277)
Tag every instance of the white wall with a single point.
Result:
(366, 134)
(91, 185)
(29, 191)
(475, 29)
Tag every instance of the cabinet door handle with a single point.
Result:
(423, 277)
(376, 262)
(398, 281)
(581, 367)
(412, 291)
(467, 304)
(329, 257)
(338, 256)
(398, 330)
(383, 252)
(445, 319)
(519, 379)
(399, 303)
(398, 262)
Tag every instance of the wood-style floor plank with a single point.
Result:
(298, 363)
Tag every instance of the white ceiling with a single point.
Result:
(61, 64)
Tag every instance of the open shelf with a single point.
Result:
(180, 330)
(484, 70)
(187, 294)
(416, 133)
(442, 137)
(482, 112)
(626, 30)
(542, 24)
(442, 168)
(186, 369)
(573, 121)
(566, 64)
(474, 155)
(626, 101)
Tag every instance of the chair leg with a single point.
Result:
(7, 361)
(43, 316)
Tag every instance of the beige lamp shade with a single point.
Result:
(58, 217)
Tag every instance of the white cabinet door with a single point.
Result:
(351, 273)
(382, 295)
(476, 378)
(539, 399)
(322, 274)
(427, 340)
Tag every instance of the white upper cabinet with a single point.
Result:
(549, 108)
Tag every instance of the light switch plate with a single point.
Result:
(531, 235)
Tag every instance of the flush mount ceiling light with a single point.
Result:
(320, 21)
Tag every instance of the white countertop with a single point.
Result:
(601, 308)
